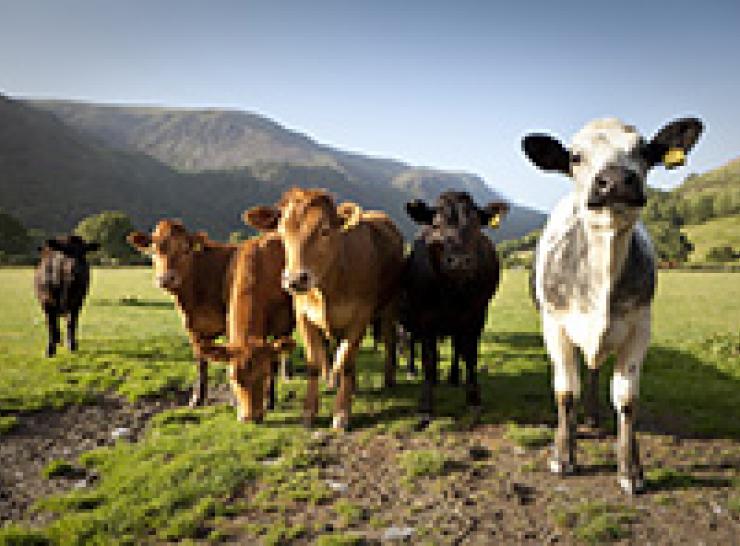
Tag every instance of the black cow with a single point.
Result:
(450, 276)
(61, 281)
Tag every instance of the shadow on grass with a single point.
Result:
(133, 302)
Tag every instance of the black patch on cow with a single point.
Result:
(565, 275)
(636, 285)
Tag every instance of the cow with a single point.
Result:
(449, 278)
(61, 282)
(198, 272)
(259, 309)
(343, 267)
(594, 272)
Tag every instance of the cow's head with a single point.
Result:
(309, 224)
(72, 246)
(251, 365)
(172, 249)
(609, 162)
(451, 227)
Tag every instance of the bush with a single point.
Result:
(721, 254)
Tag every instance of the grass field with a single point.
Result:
(201, 476)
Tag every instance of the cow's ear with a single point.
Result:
(198, 241)
(54, 244)
(140, 241)
(92, 247)
(349, 214)
(262, 218)
(671, 144)
(420, 212)
(547, 153)
(283, 344)
(492, 214)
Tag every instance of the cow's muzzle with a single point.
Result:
(298, 282)
(459, 262)
(167, 281)
(616, 186)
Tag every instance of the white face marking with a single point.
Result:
(605, 143)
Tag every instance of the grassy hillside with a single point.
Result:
(716, 232)
(718, 180)
(200, 141)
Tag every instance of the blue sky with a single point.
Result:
(451, 84)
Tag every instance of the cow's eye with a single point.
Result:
(576, 158)
(324, 231)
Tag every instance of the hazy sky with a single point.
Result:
(451, 84)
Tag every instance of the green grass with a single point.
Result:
(132, 343)
(529, 437)
(7, 423)
(596, 522)
(714, 232)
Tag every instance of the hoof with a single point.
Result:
(454, 380)
(196, 401)
(475, 413)
(560, 468)
(50, 352)
(308, 420)
(72, 346)
(340, 421)
(425, 419)
(632, 486)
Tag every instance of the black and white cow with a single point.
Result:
(61, 281)
(595, 271)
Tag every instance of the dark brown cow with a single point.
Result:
(259, 308)
(343, 268)
(61, 282)
(198, 272)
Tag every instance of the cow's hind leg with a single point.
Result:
(567, 389)
(200, 387)
(270, 385)
(72, 329)
(625, 388)
(591, 398)
(390, 339)
(52, 324)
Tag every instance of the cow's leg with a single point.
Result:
(286, 367)
(345, 370)
(316, 361)
(567, 389)
(74, 313)
(52, 324)
(469, 350)
(244, 403)
(327, 369)
(454, 377)
(411, 348)
(270, 385)
(389, 334)
(591, 398)
(200, 387)
(625, 389)
(429, 365)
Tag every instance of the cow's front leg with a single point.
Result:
(429, 365)
(316, 361)
(52, 324)
(591, 398)
(344, 368)
(625, 389)
(469, 349)
(72, 329)
(200, 386)
(454, 377)
(567, 389)
(270, 380)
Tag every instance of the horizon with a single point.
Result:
(375, 79)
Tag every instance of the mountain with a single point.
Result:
(61, 161)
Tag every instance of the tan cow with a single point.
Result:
(343, 268)
(259, 309)
(198, 272)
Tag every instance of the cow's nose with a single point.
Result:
(167, 280)
(298, 282)
(614, 185)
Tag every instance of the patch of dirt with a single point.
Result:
(494, 492)
(44, 436)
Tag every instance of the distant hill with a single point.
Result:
(60, 161)
(724, 178)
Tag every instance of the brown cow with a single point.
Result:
(259, 308)
(343, 268)
(198, 272)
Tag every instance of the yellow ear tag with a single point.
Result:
(495, 221)
(674, 157)
(197, 247)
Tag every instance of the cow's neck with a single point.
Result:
(608, 250)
